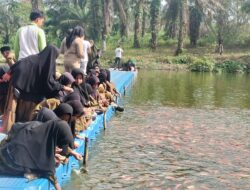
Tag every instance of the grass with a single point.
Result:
(163, 57)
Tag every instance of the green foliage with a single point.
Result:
(182, 59)
(202, 65)
(230, 66)
(13, 14)
(246, 7)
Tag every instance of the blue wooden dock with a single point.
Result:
(123, 81)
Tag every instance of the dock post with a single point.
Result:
(86, 151)
(104, 120)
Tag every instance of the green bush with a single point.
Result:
(230, 66)
(201, 65)
(183, 59)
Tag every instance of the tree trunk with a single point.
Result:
(182, 26)
(154, 11)
(195, 16)
(171, 17)
(35, 4)
(138, 10)
(143, 27)
(106, 22)
(123, 18)
(220, 23)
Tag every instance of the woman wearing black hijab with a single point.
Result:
(80, 86)
(30, 148)
(32, 79)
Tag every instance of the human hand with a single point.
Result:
(6, 77)
(68, 89)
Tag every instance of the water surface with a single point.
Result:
(179, 131)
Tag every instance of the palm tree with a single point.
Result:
(106, 6)
(120, 5)
(203, 5)
(171, 18)
(154, 13)
(138, 13)
(182, 25)
(95, 19)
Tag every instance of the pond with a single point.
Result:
(178, 131)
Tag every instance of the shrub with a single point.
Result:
(230, 66)
(183, 59)
(201, 65)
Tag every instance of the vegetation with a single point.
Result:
(195, 30)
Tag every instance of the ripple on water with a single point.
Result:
(171, 148)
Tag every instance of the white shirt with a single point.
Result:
(30, 38)
(118, 52)
(86, 47)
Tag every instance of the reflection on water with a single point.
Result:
(192, 89)
(179, 131)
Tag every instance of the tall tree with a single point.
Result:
(95, 19)
(138, 14)
(171, 18)
(106, 6)
(195, 16)
(182, 25)
(145, 14)
(123, 17)
(154, 13)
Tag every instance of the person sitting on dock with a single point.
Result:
(63, 112)
(30, 148)
(80, 86)
(31, 80)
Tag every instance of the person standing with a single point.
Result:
(30, 39)
(85, 60)
(118, 56)
(72, 48)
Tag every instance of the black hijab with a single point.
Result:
(103, 76)
(32, 144)
(66, 79)
(72, 96)
(45, 115)
(35, 74)
(82, 88)
(77, 107)
(63, 109)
